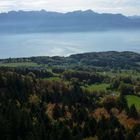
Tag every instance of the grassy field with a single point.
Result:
(131, 99)
(53, 79)
(127, 73)
(24, 64)
(97, 87)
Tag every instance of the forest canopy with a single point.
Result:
(93, 96)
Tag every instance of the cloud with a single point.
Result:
(128, 7)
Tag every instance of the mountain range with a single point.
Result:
(76, 21)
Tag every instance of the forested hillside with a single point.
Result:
(110, 60)
(91, 96)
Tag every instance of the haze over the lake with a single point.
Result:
(64, 44)
(24, 37)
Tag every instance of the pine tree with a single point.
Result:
(133, 112)
(119, 135)
(122, 103)
(136, 129)
(92, 126)
(57, 112)
(65, 134)
(113, 122)
(86, 130)
(131, 136)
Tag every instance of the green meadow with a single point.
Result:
(131, 99)
(96, 87)
(21, 64)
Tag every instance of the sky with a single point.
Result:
(126, 7)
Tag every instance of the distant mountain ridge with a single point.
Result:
(43, 21)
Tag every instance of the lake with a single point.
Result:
(64, 44)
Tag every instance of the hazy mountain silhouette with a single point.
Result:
(43, 21)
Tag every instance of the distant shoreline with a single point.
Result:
(84, 53)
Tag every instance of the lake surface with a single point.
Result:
(64, 44)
